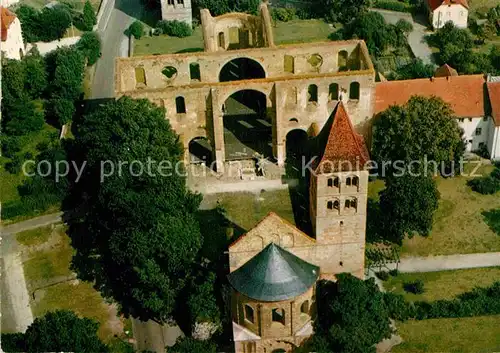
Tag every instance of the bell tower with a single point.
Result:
(338, 198)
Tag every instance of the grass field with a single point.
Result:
(464, 335)
(35, 236)
(459, 223)
(246, 209)
(51, 263)
(296, 31)
(443, 284)
(479, 4)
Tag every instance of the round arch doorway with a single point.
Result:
(200, 151)
(241, 69)
(247, 128)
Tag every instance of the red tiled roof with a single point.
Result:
(464, 93)
(6, 18)
(434, 4)
(345, 149)
(445, 71)
(494, 93)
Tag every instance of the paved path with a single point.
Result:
(150, 336)
(114, 44)
(416, 38)
(31, 224)
(448, 262)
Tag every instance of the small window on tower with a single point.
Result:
(355, 181)
(278, 315)
(330, 182)
(353, 203)
(329, 205)
(336, 182)
(170, 2)
(180, 2)
(249, 313)
(336, 205)
(348, 181)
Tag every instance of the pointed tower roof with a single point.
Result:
(344, 148)
(445, 71)
(274, 274)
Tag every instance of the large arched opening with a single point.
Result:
(297, 143)
(200, 151)
(247, 128)
(241, 69)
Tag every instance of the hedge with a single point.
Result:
(487, 185)
(175, 28)
(478, 302)
(392, 5)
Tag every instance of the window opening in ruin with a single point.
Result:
(278, 315)
(249, 313)
(194, 71)
(180, 105)
(169, 72)
(354, 90)
(342, 60)
(333, 92)
(312, 92)
(289, 64)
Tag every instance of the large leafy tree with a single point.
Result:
(352, 316)
(407, 206)
(423, 127)
(58, 331)
(135, 234)
(341, 10)
(415, 69)
(90, 45)
(66, 67)
(190, 345)
(88, 18)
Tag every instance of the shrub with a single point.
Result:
(485, 185)
(394, 6)
(62, 110)
(10, 145)
(283, 14)
(175, 28)
(383, 275)
(416, 287)
(15, 164)
(398, 307)
(136, 29)
(394, 272)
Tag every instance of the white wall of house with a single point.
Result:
(494, 141)
(476, 131)
(13, 46)
(456, 13)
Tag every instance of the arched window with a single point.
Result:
(222, 42)
(330, 182)
(294, 120)
(333, 92)
(336, 182)
(336, 204)
(329, 205)
(355, 181)
(249, 313)
(140, 77)
(354, 90)
(342, 60)
(304, 308)
(194, 71)
(354, 203)
(278, 315)
(348, 181)
(347, 204)
(312, 92)
(180, 105)
(289, 64)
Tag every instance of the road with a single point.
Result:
(31, 224)
(114, 44)
(448, 262)
(416, 39)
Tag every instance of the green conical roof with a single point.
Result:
(274, 274)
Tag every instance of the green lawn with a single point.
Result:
(460, 226)
(464, 335)
(35, 236)
(296, 31)
(44, 265)
(482, 4)
(246, 209)
(444, 284)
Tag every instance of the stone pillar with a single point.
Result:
(218, 125)
(207, 27)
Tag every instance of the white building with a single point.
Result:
(12, 44)
(466, 96)
(179, 10)
(442, 11)
(494, 112)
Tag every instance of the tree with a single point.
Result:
(495, 58)
(404, 26)
(62, 110)
(136, 29)
(136, 236)
(54, 22)
(201, 302)
(23, 117)
(352, 316)
(58, 331)
(190, 345)
(36, 79)
(68, 65)
(90, 45)
(342, 11)
(415, 69)
(423, 127)
(216, 7)
(88, 18)
(30, 22)
(407, 206)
